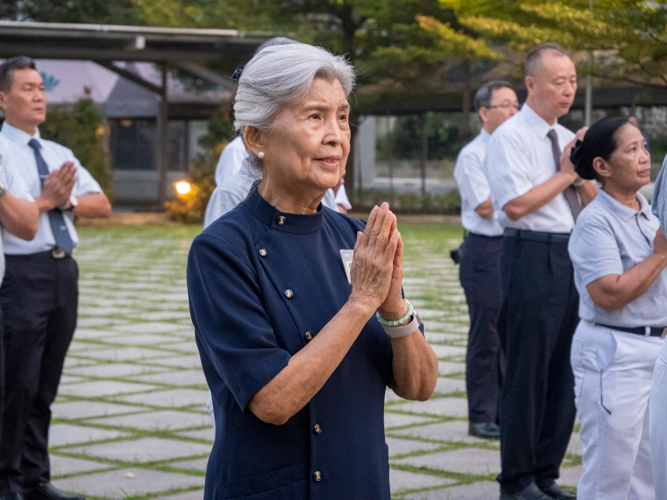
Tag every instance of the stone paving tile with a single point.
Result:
(113, 370)
(91, 333)
(569, 476)
(446, 351)
(189, 347)
(455, 431)
(447, 368)
(148, 339)
(174, 398)
(207, 434)
(576, 447)
(448, 385)
(87, 409)
(464, 461)
(65, 434)
(483, 490)
(198, 464)
(143, 450)
(127, 354)
(450, 407)
(398, 420)
(184, 377)
(127, 482)
(405, 446)
(65, 466)
(401, 480)
(156, 420)
(102, 388)
(148, 327)
(190, 495)
(190, 361)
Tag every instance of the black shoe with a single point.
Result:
(554, 491)
(11, 495)
(484, 430)
(532, 492)
(46, 491)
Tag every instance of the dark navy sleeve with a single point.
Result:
(230, 318)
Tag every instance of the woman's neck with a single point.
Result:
(625, 197)
(285, 201)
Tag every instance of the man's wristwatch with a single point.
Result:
(3, 189)
(71, 204)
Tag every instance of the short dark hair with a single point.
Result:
(7, 70)
(485, 93)
(599, 141)
(534, 57)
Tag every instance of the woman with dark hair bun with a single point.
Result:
(619, 253)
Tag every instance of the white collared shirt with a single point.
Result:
(611, 238)
(13, 182)
(235, 188)
(21, 157)
(230, 161)
(473, 186)
(518, 158)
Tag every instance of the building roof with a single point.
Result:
(100, 42)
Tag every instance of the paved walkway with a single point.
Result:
(130, 420)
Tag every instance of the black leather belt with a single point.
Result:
(524, 234)
(640, 330)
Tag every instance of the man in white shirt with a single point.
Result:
(39, 295)
(495, 102)
(538, 197)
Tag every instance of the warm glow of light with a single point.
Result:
(183, 187)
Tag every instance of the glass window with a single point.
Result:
(133, 144)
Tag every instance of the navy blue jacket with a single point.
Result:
(261, 283)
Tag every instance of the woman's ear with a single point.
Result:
(253, 139)
(602, 167)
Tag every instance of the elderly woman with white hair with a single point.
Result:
(298, 310)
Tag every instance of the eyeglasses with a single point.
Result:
(505, 106)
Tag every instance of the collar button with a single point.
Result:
(281, 220)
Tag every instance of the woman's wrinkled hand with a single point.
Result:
(372, 267)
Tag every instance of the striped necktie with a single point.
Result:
(56, 217)
(570, 193)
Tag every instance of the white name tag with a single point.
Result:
(346, 255)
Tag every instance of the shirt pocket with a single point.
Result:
(278, 484)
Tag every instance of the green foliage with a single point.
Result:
(191, 207)
(73, 11)
(364, 200)
(404, 141)
(80, 127)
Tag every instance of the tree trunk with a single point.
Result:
(467, 101)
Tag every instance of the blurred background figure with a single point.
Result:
(495, 102)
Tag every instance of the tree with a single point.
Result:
(628, 37)
(72, 11)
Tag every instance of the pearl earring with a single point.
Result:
(261, 155)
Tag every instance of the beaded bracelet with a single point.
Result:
(397, 322)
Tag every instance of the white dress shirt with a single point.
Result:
(474, 188)
(518, 158)
(21, 157)
(342, 199)
(230, 161)
(15, 185)
(234, 182)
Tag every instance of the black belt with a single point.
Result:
(640, 330)
(524, 234)
(477, 235)
(55, 253)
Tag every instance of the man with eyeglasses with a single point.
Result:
(495, 102)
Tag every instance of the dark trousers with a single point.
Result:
(480, 278)
(38, 297)
(537, 321)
